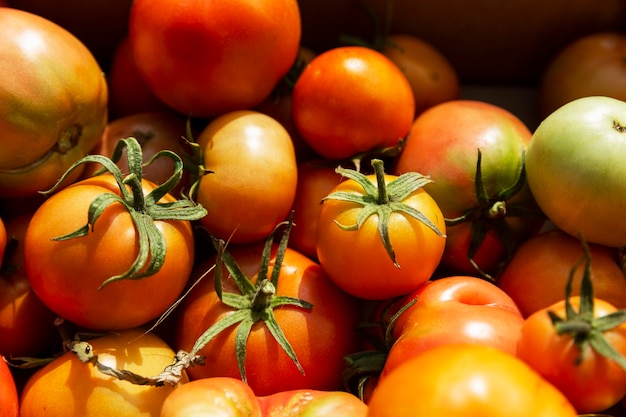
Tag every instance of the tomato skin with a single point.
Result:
(206, 58)
(454, 309)
(356, 260)
(312, 403)
(537, 275)
(254, 178)
(557, 362)
(443, 381)
(324, 334)
(54, 102)
(350, 100)
(66, 274)
(9, 402)
(68, 387)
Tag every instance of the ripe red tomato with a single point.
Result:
(253, 177)
(591, 65)
(208, 58)
(467, 380)
(68, 387)
(538, 272)
(380, 242)
(351, 100)
(67, 274)
(320, 336)
(9, 402)
(53, 102)
(479, 209)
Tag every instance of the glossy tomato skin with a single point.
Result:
(444, 382)
(68, 387)
(594, 384)
(443, 143)
(350, 100)
(357, 261)
(324, 334)
(26, 324)
(9, 402)
(455, 309)
(66, 275)
(207, 58)
(537, 275)
(254, 175)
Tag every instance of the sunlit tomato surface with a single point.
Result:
(469, 381)
(320, 337)
(253, 177)
(53, 102)
(66, 275)
(207, 58)
(432, 77)
(26, 324)
(592, 65)
(9, 406)
(69, 387)
(537, 275)
(590, 381)
(351, 100)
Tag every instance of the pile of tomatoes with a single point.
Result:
(217, 219)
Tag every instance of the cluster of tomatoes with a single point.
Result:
(226, 222)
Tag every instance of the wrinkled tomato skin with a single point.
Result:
(208, 58)
(53, 107)
(537, 275)
(351, 100)
(456, 309)
(312, 403)
(67, 387)
(594, 384)
(66, 275)
(322, 335)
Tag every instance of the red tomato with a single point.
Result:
(591, 65)
(67, 387)
(208, 58)
(537, 275)
(469, 381)
(450, 153)
(320, 337)
(9, 403)
(370, 240)
(253, 178)
(53, 102)
(26, 324)
(67, 275)
(351, 100)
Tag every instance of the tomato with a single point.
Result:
(128, 91)
(68, 275)
(69, 387)
(470, 381)
(53, 103)
(313, 403)
(8, 393)
(155, 131)
(476, 204)
(206, 58)
(538, 272)
(591, 65)
(316, 179)
(351, 100)
(26, 324)
(320, 336)
(432, 77)
(377, 226)
(253, 178)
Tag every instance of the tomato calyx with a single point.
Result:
(490, 214)
(382, 200)
(581, 325)
(143, 209)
